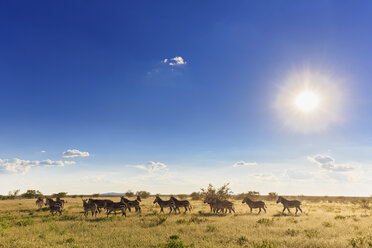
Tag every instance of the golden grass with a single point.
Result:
(322, 224)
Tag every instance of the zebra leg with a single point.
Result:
(300, 209)
(161, 210)
(259, 211)
(289, 211)
(296, 210)
(264, 210)
(251, 210)
(283, 210)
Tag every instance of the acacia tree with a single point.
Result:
(220, 193)
(31, 193)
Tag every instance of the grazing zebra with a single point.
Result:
(165, 204)
(116, 206)
(100, 203)
(185, 203)
(89, 206)
(289, 204)
(39, 202)
(54, 206)
(132, 204)
(255, 204)
(211, 203)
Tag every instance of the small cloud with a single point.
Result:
(298, 175)
(174, 61)
(264, 176)
(327, 163)
(243, 164)
(20, 166)
(74, 153)
(152, 166)
(43, 151)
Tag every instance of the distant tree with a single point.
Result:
(143, 194)
(13, 194)
(182, 196)
(95, 195)
(253, 194)
(221, 193)
(273, 195)
(129, 193)
(196, 195)
(31, 193)
(60, 194)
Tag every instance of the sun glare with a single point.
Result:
(307, 101)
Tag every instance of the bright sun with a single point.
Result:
(306, 101)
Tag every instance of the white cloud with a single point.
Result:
(264, 176)
(74, 153)
(43, 151)
(20, 166)
(243, 164)
(174, 61)
(152, 166)
(298, 175)
(327, 163)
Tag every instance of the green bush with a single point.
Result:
(31, 193)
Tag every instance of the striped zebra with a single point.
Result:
(100, 203)
(54, 206)
(218, 205)
(185, 203)
(255, 204)
(132, 204)
(165, 204)
(89, 206)
(39, 202)
(116, 206)
(289, 204)
(62, 202)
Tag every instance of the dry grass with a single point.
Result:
(323, 224)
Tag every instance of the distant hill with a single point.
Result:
(112, 193)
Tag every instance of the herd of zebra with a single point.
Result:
(217, 206)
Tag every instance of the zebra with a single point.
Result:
(116, 206)
(100, 203)
(165, 204)
(289, 204)
(54, 206)
(61, 201)
(89, 206)
(217, 205)
(185, 203)
(132, 204)
(39, 202)
(255, 204)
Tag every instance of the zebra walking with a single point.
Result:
(132, 204)
(100, 203)
(255, 204)
(165, 204)
(89, 206)
(289, 204)
(185, 203)
(39, 202)
(116, 206)
(54, 206)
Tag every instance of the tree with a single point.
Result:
(196, 195)
(60, 194)
(13, 194)
(143, 194)
(31, 193)
(129, 193)
(273, 195)
(221, 193)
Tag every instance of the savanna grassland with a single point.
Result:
(322, 224)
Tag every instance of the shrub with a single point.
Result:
(340, 217)
(182, 196)
(221, 193)
(211, 228)
(311, 233)
(264, 244)
(143, 194)
(242, 240)
(196, 195)
(60, 194)
(95, 195)
(174, 242)
(13, 194)
(129, 193)
(272, 195)
(264, 221)
(291, 232)
(364, 203)
(31, 193)
(326, 224)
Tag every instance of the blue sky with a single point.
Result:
(91, 79)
